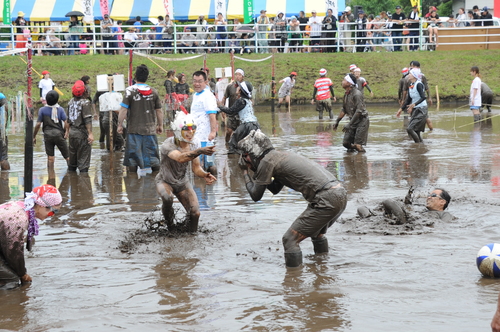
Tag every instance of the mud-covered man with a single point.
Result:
(275, 169)
(436, 204)
(176, 153)
(356, 131)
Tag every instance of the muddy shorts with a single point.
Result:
(4, 148)
(52, 141)
(322, 211)
(232, 122)
(323, 105)
(418, 119)
(358, 134)
(177, 188)
(142, 151)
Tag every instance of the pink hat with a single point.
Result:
(322, 71)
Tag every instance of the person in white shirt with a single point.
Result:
(475, 94)
(315, 22)
(46, 84)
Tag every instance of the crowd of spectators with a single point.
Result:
(347, 31)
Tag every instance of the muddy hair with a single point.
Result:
(141, 73)
(444, 195)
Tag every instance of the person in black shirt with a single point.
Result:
(303, 22)
(486, 16)
(397, 28)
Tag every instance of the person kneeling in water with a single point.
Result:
(176, 152)
(275, 169)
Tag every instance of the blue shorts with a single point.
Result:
(142, 151)
(475, 107)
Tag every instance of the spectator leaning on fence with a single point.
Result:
(397, 28)
(107, 35)
(315, 24)
(486, 17)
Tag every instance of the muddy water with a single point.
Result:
(231, 276)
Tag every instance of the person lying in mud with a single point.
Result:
(274, 169)
(356, 131)
(176, 153)
(436, 204)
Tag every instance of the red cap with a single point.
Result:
(78, 88)
(293, 73)
(404, 70)
(45, 72)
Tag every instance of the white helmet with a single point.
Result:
(182, 120)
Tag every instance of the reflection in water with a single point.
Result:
(314, 298)
(13, 315)
(356, 175)
(416, 164)
(141, 191)
(286, 123)
(176, 287)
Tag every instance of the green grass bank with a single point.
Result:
(447, 70)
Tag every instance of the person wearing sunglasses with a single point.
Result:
(436, 203)
(15, 219)
(176, 153)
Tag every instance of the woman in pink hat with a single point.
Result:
(16, 218)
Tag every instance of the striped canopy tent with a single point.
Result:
(190, 9)
(49, 10)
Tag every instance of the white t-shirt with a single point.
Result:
(47, 84)
(315, 24)
(287, 85)
(476, 84)
(204, 103)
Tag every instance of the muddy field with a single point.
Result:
(96, 266)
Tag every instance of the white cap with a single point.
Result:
(322, 71)
(347, 9)
(357, 69)
(239, 71)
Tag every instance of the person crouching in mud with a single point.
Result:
(356, 131)
(243, 107)
(176, 152)
(436, 204)
(416, 103)
(275, 169)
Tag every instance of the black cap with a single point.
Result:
(398, 7)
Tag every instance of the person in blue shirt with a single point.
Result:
(55, 129)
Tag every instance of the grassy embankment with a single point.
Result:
(448, 70)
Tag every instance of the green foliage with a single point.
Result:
(375, 7)
(445, 9)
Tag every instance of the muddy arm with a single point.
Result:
(256, 191)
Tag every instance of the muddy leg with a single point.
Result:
(293, 254)
(189, 200)
(414, 135)
(165, 192)
(392, 208)
(320, 244)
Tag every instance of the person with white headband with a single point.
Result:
(416, 104)
(323, 94)
(16, 218)
(243, 107)
(356, 131)
(362, 83)
(176, 153)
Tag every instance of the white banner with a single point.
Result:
(169, 8)
(220, 7)
(88, 10)
(333, 5)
